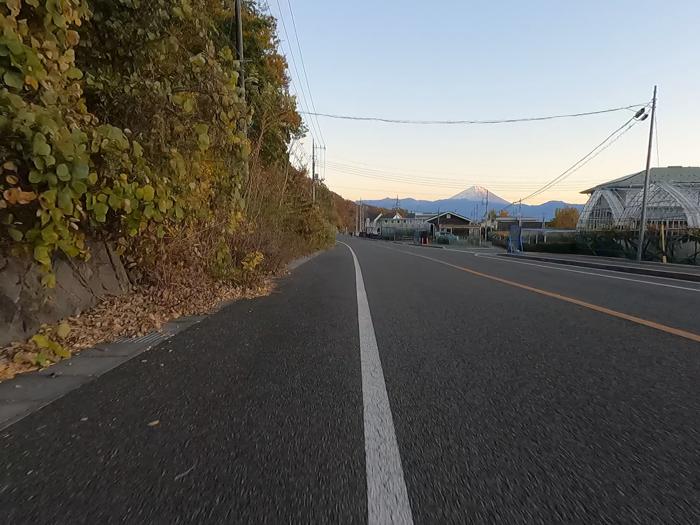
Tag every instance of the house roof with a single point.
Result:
(680, 174)
(453, 214)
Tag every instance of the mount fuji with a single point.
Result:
(479, 193)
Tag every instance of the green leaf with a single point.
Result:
(49, 280)
(35, 177)
(49, 235)
(79, 187)
(41, 255)
(68, 248)
(61, 351)
(74, 73)
(101, 210)
(48, 199)
(65, 200)
(15, 234)
(203, 141)
(13, 79)
(138, 150)
(148, 193)
(63, 172)
(115, 202)
(42, 360)
(39, 145)
(81, 170)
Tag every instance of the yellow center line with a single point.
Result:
(614, 313)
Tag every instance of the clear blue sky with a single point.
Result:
(487, 60)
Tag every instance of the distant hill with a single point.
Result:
(471, 203)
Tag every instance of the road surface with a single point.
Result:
(421, 386)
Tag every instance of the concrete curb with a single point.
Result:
(30, 392)
(419, 245)
(653, 272)
(296, 263)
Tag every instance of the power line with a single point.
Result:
(393, 171)
(306, 76)
(585, 159)
(425, 181)
(296, 69)
(468, 122)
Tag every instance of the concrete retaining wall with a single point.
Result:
(25, 304)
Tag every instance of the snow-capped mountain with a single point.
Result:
(479, 193)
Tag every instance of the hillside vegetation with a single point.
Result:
(124, 120)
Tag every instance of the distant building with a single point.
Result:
(673, 200)
(454, 223)
(503, 224)
(395, 226)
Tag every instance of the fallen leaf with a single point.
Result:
(154, 423)
(63, 330)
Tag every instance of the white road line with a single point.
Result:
(571, 270)
(387, 498)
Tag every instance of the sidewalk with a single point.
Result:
(683, 272)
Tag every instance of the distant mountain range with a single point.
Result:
(472, 203)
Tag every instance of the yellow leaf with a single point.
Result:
(31, 81)
(72, 38)
(41, 341)
(63, 330)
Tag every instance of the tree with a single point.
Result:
(503, 213)
(565, 218)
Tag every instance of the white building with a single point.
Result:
(673, 200)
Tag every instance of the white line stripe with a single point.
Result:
(387, 498)
(559, 268)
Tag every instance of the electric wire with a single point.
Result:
(470, 122)
(583, 160)
(305, 104)
(306, 76)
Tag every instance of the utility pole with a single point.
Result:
(313, 170)
(645, 195)
(486, 216)
(360, 220)
(520, 212)
(239, 43)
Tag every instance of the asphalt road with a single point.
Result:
(476, 390)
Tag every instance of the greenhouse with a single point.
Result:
(673, 201)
